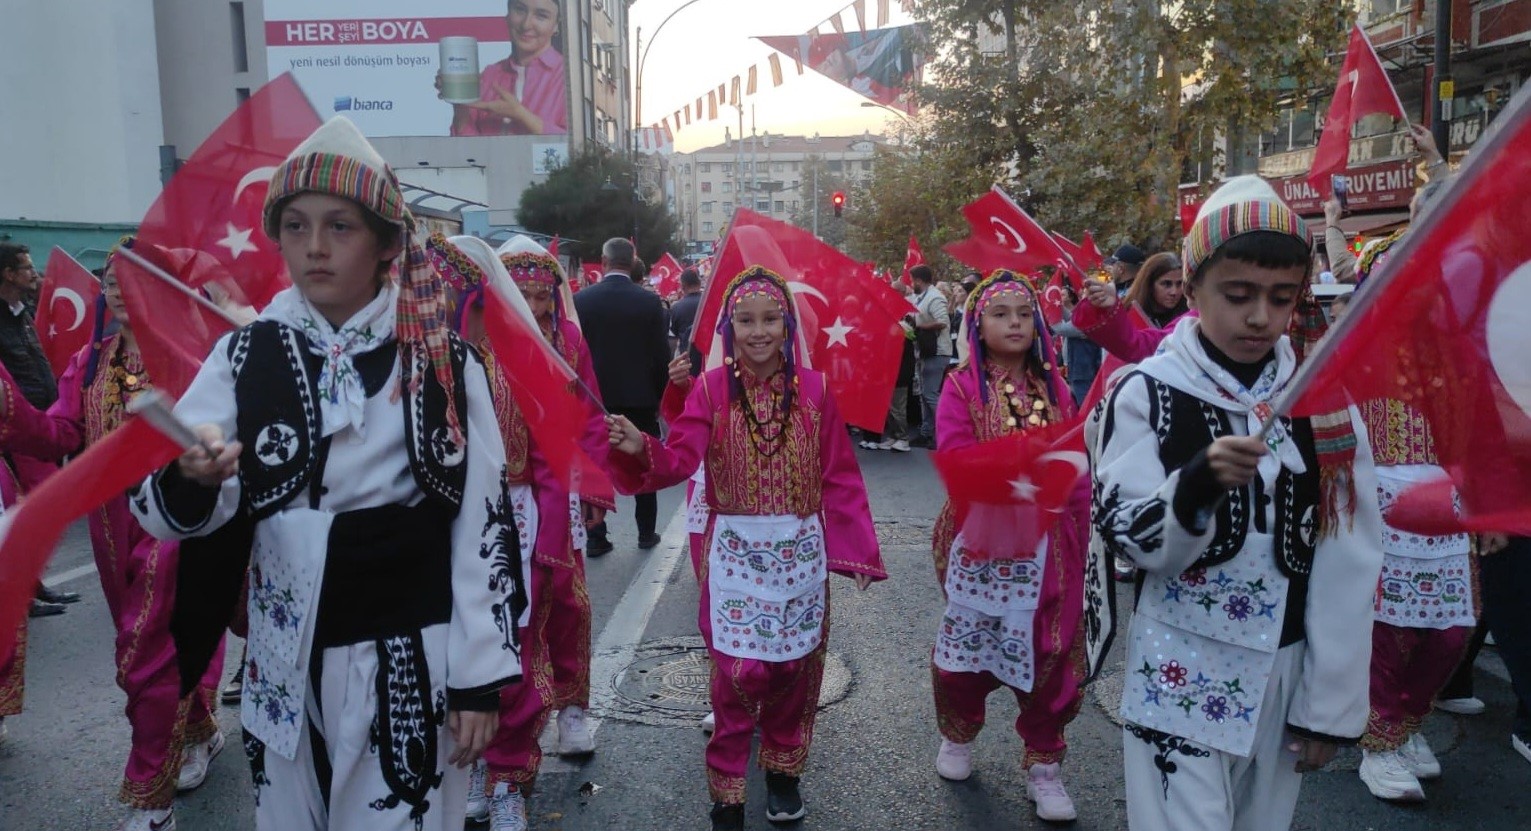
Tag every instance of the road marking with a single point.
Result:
(619, 638)
(69, 576)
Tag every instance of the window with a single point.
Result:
(241, 94)
(706, 227)
(763, 205)
(706, 207)
(728, 187)
(237, 25)
(781, 206)
(796, 204)
(706, 187)
(866, 164)
(795, 185)
(778, 167)
(796, 166)
(728, 207)
(835, 165)
(703, 167)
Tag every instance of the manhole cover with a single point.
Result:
(667, 684)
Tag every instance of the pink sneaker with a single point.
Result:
(1044, 786)
(954, 761)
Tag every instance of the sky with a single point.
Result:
(713, 40)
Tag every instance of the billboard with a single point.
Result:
(447, 68)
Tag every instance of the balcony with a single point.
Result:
(1363, 151)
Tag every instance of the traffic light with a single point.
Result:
(839, 201)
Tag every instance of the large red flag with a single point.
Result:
(30, 532)
(913, 257)
(65, 330)
(849, 318)
(214, 202)
(1363, 89)
(548, 392)
(1005, 236)
(589, 274)
(665, 275)
(1444, 326)
(1031, 474)
(175, 327)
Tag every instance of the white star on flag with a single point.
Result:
(1003, 238)
(237, 241)
(1022, 488)
(838, 332)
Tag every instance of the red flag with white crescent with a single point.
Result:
(913, 257)
(665, 275)
(590, 274)
(66, 306)
(1364, 89)
(1004, 236)
(214, 203)
(1444, 326)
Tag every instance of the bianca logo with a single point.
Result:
(345, 103)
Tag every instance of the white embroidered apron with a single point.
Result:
(1426, 581)
(990, 619)
(766, 578)
(696, 505)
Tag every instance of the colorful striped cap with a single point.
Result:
(1244, 204)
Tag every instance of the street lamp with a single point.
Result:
(644, 56)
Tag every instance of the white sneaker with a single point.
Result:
(709, 722)
(574, 737)
(1044, 786)
(142, 819)
(1419, 758)
(1520, 746)
(868, 444)
(901, 446)
(885, 444)
(1461, 706)
(478, 801)
(954, 761)
(1387, 777)
(195, 760)
(507, 809)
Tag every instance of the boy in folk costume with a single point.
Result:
(1247, 653)
(1012, 617)
(174, 736)
(353, 435)
(787, 505)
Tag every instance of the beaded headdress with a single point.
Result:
(1002, 283)
(758, 281)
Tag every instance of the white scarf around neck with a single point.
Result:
(342, 397)
(1183, 363)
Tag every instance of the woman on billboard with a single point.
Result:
(527, 93)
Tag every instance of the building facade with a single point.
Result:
(771, 174)
(148, 80)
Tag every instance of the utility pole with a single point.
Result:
(815, 201)
(1445, 87)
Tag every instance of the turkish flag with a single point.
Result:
(848, 318)
(912, 258)
(64, 330)
(589, 274)
(1082, 257)
(1109, 364)
(548, 392)
(30, 531)
(1363, 89)
(1014, 487)
(1444, 326)
(175, 329)
(215, 201)
(665, 275)
(1004, 236)
(553, 247)
(1050, 298)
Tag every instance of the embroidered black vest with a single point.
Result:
(276, 388)
(1186, 425)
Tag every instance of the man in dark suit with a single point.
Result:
(625, 327)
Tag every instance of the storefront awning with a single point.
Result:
(1367, 223)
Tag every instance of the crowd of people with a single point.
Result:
(368, 507)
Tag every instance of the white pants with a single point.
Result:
(355, 771)
(1178, 785)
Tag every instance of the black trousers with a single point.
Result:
(646, 507)
(1505, 580)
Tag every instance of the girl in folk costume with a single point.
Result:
(1247, 652)
(1012, 616)
(174, 736)
(787, 506)
(356, 437)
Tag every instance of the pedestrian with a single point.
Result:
(1506, 571)
(895, 431)
(356, 436)
(1247, 653)
(931, 324)
(174, 736)
(787, 506)
(21, 353)
(624, 326)
(1013, 617)
(683, 312)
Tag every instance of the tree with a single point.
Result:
(590, 200)
(1097, 109)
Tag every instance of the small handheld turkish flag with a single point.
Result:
(66, 306)
(1444, 326)
(590, 274)
(1364, 89)
(912, 258)
(214, 203)
(666, 275)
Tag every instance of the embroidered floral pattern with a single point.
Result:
(1172, 675)
(278, 604)
(275, 704)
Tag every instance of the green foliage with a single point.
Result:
(576, 204)
(832, 229)
(1096, 109)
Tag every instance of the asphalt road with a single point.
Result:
(872, 764)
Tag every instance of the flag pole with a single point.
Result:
(154, 407)
(179, 286)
